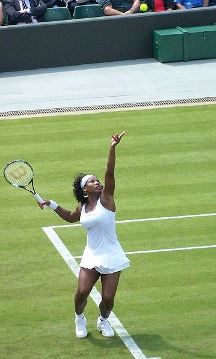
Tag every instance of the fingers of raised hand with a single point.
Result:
(122, 134)
(117, 138)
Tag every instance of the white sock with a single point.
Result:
(79, 316)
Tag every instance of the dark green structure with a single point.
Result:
(168, 45)
(86, 11)
(93, 40)
(199, 42)
(184, 44)
(57, 14)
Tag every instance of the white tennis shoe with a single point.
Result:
(105, 328)
(81, 331)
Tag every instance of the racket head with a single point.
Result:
(19, 173)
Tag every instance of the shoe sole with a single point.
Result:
(82, 337)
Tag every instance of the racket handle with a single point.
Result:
(38, 198)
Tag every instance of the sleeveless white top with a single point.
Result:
(103, 250)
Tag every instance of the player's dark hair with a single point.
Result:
(77, 190)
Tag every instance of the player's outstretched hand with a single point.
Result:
(44, 204)
(48, 203)
(117, 138)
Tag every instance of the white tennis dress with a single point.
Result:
(103, 250)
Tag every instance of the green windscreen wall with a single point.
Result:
(104, 39)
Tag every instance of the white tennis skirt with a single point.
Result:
(105, 263)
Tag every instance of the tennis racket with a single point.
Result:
(19, 174)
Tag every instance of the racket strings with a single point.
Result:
(19, 173)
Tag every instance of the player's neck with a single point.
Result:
(92, 200)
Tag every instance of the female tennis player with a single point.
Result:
(103, 256)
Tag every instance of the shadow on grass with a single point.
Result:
(151, 344)
(154, 343)
(98, 340)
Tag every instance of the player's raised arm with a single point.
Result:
(109, 186)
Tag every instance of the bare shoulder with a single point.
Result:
(107, 201)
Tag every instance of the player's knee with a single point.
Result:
(108, 301)
(80, 295)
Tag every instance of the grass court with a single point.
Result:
(166, 299)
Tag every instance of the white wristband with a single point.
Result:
(53, 205)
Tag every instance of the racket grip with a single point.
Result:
(38, 198)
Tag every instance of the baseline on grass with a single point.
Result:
(95, 295)
(20, 174)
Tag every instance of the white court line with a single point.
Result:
(147, 219)
(165, 250)
(172, 249)
(95, 295)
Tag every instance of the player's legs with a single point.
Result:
(109, 286)
(86, 281)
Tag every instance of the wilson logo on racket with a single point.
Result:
(18, 173)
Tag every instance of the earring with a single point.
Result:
(85, 194)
